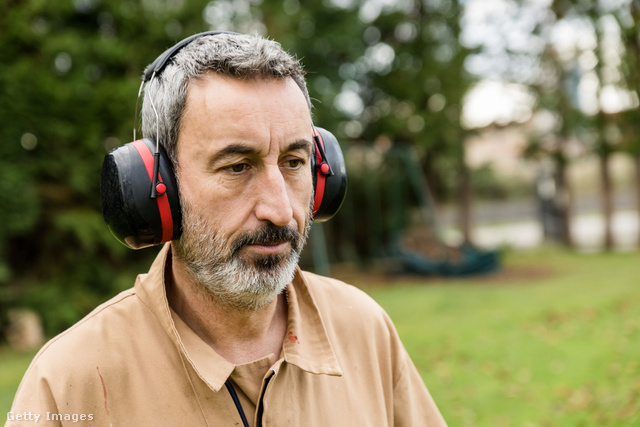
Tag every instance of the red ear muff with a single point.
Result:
(329, 175)
(135, 218)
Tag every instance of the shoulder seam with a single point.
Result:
(115, 300)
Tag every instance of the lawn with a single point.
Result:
(12, 367)
(551, 340)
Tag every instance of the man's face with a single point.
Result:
(245, 184)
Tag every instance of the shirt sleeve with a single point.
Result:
(33, 401)
(413, 404)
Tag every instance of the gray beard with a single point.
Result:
(236, 281)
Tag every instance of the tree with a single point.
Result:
(628, 18)
(68, 84)
(425, 85)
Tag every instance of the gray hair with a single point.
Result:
(234, 55)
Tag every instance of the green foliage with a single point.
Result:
(22, 207)
(67, 92)
(487, 185)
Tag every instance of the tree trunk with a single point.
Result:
(607, 200)
(464, 200)
(563, 202)
(636, 158)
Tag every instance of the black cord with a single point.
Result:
(261, 402)
(236, 401)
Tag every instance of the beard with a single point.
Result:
(229, 274)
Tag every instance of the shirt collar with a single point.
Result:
(306, 345)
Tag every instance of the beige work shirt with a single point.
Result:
(133, 362)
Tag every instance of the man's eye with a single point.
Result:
(294, 163)
(237, 168)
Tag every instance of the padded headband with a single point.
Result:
(161, 61)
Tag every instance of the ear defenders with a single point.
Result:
(139, 190)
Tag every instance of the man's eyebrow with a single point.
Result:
(231, 150)
(236, 149)
(300, 145)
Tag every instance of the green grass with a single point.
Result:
(12, 366)
(551, 340)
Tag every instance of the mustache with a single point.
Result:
(269, 234)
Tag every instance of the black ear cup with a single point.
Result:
(133, 216)
(329, 176)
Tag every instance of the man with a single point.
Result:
(225, 329)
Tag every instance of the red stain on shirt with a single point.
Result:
(293, 338)
(104, 390)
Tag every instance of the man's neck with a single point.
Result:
(238, 335)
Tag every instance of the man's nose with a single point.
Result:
(273, 201)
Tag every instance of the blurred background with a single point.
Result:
(470, 129)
